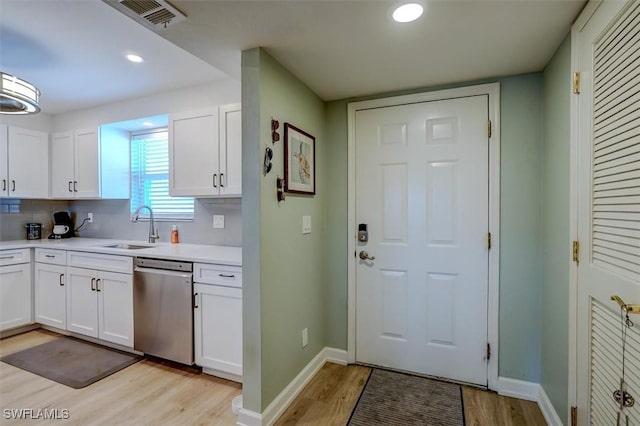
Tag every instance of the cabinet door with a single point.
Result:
(218, 328)
(28, 163)
(62, 171)
(82, 301)
(4, 161)
(50, 295)
(15, 296)
(87, 164)
(230, 150)
(193, 154)
(116, 307)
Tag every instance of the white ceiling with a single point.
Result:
(73, 50)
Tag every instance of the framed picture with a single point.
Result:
(299, 161)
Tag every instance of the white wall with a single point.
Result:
(220, 92)
(40, 121)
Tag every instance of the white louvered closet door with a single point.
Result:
(608, 208)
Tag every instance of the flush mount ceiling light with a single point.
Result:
(18, 96)
(407, 12)
(135, 58)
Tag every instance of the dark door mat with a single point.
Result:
(71, 361)
(391, 398)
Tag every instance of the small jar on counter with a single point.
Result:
(175, 238)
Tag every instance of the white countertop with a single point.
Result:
(223, 255)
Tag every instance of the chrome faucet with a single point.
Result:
(153, 234)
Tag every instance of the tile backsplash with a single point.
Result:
(112, 219)
(15, 213)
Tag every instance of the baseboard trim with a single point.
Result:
(293, 389)
(548, 411)
(520, 389)
(249, 418)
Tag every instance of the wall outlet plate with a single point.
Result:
(218, 221)
(90, 216)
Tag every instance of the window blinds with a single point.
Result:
(150, 178)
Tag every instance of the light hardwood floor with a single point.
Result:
(149, 392)
(152, 392)
(330, 396)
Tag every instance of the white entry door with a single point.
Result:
(608, 210)
(422, 192)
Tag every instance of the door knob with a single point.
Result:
(365, 256)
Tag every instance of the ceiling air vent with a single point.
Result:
(155, 14)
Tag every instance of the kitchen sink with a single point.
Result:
(127, 246)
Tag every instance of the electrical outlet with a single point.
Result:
(305, 337)
(218, 221)
(306, 224)
(90, 216)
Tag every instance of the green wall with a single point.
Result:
(290, 279)
(521, 145)
(293, 281)
(555, 229)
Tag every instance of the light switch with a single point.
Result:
(306, 224)
(218, 221)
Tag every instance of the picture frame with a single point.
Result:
(299, 161)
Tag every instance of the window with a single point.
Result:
(150, 178)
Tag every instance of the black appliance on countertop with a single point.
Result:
(62, 218)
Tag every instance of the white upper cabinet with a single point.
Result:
(205, 153)
(85, 164)
(231, 150)
(24, 163)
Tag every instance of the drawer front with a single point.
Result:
(230, 276)
(101, 262)
(13, 257)
(54, 257)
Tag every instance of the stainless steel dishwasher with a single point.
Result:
(163, 309)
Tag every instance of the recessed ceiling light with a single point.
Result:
(147, 123)
(135, 58)
(407, 12)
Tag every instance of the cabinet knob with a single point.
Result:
(93, 284)
(221, 180)
(70, 189)
(4, 184)
(13, 185)
(215, 182)
(195, 301)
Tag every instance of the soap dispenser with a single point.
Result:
(174, 234)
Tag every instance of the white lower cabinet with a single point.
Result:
(50, 295)
(15, 288)
(15, 295)
(100, 304)
(218, 330)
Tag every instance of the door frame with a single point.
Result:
(492, 90)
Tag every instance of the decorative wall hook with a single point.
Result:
(275, 136)
(280, 188)
(268, 155)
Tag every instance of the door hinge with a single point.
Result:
(576, 83)
(488, 351)
(489, 240)
(576, 252)
(574, 416)
(489, 129)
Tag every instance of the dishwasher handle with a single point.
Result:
(142, 270)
